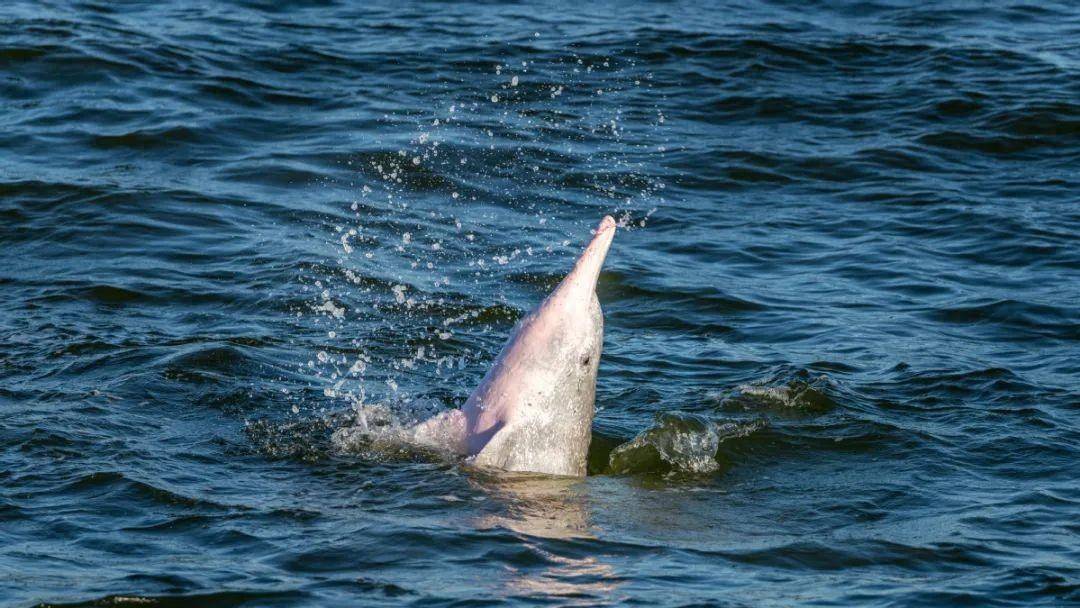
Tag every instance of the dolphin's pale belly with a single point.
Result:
(550, 425)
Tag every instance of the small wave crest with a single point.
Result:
(678, 443)
(803, 393)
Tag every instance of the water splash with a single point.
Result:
(678, 443)
(381, 431)
(418, 264)
(783, 392)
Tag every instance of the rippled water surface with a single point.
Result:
(841, 361)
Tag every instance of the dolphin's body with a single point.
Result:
(533, 411)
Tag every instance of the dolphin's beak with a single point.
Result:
(601, 240)
(587, 269)
(608, 223)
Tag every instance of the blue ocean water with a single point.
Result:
(842, 354)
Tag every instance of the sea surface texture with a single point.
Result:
(244, 244)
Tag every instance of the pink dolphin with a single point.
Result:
(533, 411)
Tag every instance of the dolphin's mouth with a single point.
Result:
(608, 223)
